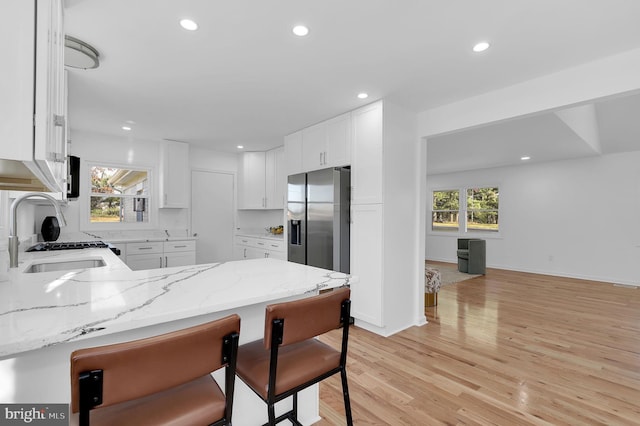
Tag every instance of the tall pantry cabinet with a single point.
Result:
(379, 142)
(384, 182)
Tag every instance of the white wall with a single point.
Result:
(127, 150)
(576, 218)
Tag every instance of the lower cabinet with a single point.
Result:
(256, 248)
(153, 255)
(179, 253)
(366, 263)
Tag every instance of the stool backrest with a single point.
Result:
(306, 318)
(142, 367)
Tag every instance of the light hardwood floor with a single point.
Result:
(507, 348)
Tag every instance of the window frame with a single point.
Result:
(463, 230)
(151, 202)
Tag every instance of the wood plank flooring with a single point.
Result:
(507, 348)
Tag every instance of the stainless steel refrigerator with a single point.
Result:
(318, 218)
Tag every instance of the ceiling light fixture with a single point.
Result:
(363, 95)
(300, 30)
(240, 147)
(78, 54)
(525, 158)
(127, 128)
(188, 24)
(481, 47)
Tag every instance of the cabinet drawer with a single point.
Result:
(250, 242)
(274, 245)
(178, 246)
(144, 248)
(261, 243)
(244, 241)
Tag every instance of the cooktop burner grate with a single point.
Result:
(68, 245)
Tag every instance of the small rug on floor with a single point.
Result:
(450, 274)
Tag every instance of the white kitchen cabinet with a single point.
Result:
(293, 153)
(179, 253)
(366, 255)
(275, 178)
(338, 141)
(367, 171)
(313, 147)
(261, 180)
(383, 221)
(138, 262)
(251, 177)
(149, 255)
(158, 254)
(174, 175)
(327, 144)
(251, 247)
(33, 108)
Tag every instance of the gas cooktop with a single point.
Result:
(72, 246)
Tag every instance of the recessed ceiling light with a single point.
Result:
(481, 47)
(525, 158)
(188, 24)
(363, 95)
(240, 147)
(300, 30)
(126, 128)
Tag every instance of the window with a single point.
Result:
(446, 210)
(118, 195)
(482, 209)
(477, 211)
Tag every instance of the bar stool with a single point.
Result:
(289, 358)
(159, 380)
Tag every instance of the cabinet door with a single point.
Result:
(179, 253)
(251, 185)
(366, 164)
(338, 141)
(174, 175)
(183, 258)
(254, 253)
(139, 262)
(366, 263)
(16, 107)
(277, 255)
(275, 178)
(239, 252)
(293, 153)
(314, 147)
(50, 140)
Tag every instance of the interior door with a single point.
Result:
(212, 216)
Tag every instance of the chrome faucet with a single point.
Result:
(13, 226)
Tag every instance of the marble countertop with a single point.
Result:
(38, 310)
(126, 237)
(265, 235)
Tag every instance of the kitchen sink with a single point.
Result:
(65, 265)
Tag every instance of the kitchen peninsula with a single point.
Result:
(45, 316)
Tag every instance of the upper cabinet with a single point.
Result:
(327, 144)
(175, 175)
(34, 96)
(293, 153)
(367, 168)
(261, 180)
(275, 178)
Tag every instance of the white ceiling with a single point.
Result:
(243, 78)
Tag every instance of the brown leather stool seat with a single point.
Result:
(161, 380)
(289, 358)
